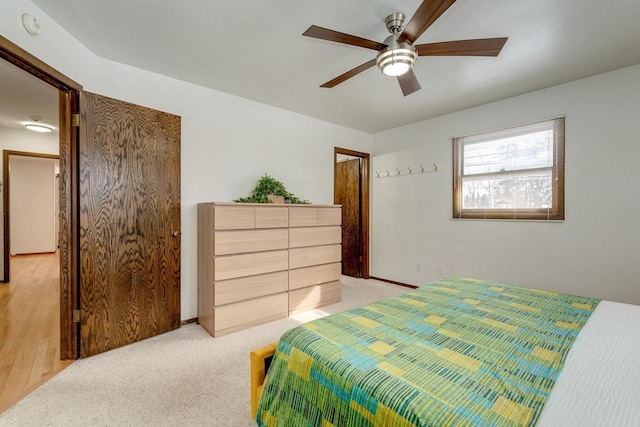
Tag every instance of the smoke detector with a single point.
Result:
(30, 24)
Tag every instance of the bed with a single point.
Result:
(456, 352)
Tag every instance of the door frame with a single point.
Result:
(7, 211)
(69, 92)
(364, 200)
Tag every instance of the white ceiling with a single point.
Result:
(254, 49)
(23, 96)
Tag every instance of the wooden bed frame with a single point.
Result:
(260, 361)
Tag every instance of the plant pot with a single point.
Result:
(276, 199)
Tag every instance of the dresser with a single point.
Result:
(262, 262)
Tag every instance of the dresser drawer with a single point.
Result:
(272, 217)
(232, 266)
(316, 255)
(329, 216)
(303, 217)
(237, 242)
(234, 217)
(244, 314)
(314, 236)
(309, 276)
(243, 288)
(313, 297)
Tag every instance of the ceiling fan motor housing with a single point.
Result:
(395, 22)
(398, 57)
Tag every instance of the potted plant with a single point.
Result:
(266, 188)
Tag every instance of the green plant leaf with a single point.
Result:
(266, 186)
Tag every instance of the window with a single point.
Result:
(515, 173)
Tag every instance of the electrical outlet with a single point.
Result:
(418, 267)
(440, 270)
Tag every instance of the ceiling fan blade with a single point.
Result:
(335, 36)
(477, 47)
(427, 13)
(349, 74)
(409, 83)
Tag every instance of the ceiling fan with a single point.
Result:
(397, 53)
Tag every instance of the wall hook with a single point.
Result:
(409, 171)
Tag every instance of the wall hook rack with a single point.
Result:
(408, 171)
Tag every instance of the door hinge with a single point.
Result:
(75, 120)
(76, 316)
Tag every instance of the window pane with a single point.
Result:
(511, 173)
(522, 191)
(533, 150)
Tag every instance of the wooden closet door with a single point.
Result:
(347, 194)
(129, 223)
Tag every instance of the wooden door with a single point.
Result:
(129, 223)
(347, 190)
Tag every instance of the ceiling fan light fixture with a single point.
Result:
(396, 59)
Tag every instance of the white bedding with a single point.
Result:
(600, 382)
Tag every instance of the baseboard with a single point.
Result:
(32, 253)
(406, 285)
(187, 321)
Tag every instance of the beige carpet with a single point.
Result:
(184, 377)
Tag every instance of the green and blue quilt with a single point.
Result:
(458, 352)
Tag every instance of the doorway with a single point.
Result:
(351, 190)
(68, 96)
(30, 210)
(30, 302)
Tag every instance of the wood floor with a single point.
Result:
(29, 326)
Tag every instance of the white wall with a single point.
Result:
(227, 142)
(27, 140)
(32, 205)
(594, 252)
(23, 140)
